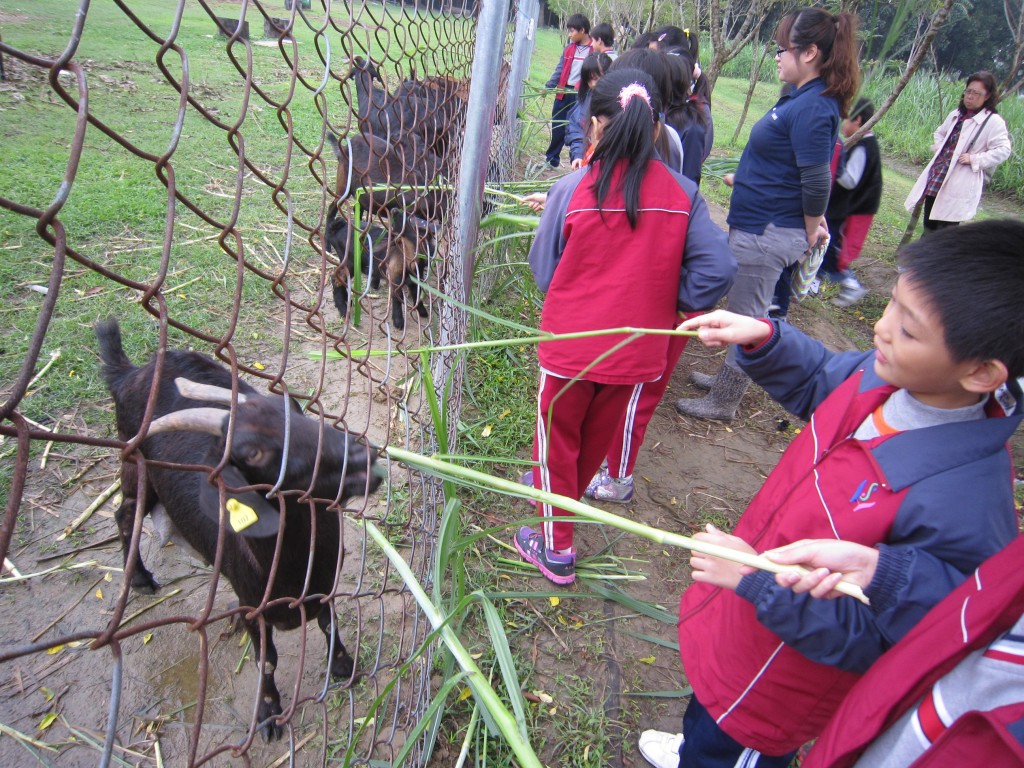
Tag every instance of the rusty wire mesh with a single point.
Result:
(184, 186)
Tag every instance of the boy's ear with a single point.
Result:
(986, 376)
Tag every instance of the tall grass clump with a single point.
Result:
(749, 57)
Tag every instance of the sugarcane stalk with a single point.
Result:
(437, 467)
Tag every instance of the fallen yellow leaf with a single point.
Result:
(107, 577)
(147, 637)
(47, 721)
(545, 698)
(486, 431)
(646, 660)
(47, 693)
(55, 649)
(506, 412)
(259, 366)
(99, 594)
(554, 601)
(465, 694)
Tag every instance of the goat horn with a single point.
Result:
(209, 420)
(206, 393)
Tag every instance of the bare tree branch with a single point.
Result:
(912, 66)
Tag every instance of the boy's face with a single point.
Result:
(912, 353)
(850, 127)
(576, 35)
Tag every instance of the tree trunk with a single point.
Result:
(755, 70)
(912, 66)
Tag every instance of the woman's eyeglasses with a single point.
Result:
(780, 51)
(973, 92)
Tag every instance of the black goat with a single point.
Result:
(394, 254)
(321, 465)
(432, 109)
(396, 173)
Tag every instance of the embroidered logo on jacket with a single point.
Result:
(862, 494)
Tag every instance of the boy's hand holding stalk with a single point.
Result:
(828, 561)
(715, 570)
(718, 328)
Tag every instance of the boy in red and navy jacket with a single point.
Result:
(566, 79)
(905, 449)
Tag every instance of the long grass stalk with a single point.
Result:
(334, 354)
(482, 690)
(453, 471)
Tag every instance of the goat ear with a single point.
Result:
(248, 514)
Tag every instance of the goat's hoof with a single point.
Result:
(342, 668)
(267, 714)
(144, 583)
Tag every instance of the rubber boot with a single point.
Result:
(703, 380)
(722, 401)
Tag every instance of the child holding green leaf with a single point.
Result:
(622, 242)
(905, 451)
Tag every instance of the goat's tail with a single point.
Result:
(335, 147)
(116, 364)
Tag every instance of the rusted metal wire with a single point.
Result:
(238, 158)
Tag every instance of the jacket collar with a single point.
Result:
(909, 457)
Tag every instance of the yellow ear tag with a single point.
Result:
(240, 516)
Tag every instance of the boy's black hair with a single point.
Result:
(973, 278)
(578, 21)
(862, 108)
(604, 33)
(628, 134)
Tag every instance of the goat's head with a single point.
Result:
(420, 232)
(359, 64)
(273, 444)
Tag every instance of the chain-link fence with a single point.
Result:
(287, 190)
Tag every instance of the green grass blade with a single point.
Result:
(659, 641)
(681, 693)
(436, 705)
(504, 722)
(499, 642)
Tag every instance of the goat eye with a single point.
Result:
(255, 455)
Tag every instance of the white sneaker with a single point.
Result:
(661, 749)
(850, 292)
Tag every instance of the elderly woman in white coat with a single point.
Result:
(968, 146)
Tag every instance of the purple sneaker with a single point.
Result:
(559, 569)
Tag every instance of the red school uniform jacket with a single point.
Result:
(980, 609)
(599, 273)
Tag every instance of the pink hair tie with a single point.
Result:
(631, 90)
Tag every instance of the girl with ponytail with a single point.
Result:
(623, 241)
